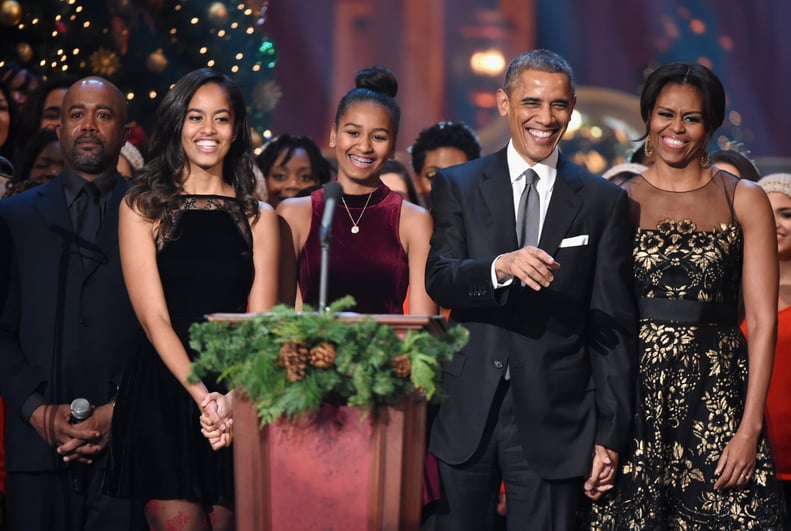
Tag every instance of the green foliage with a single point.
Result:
(247, 355)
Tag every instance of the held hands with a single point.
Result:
(531, 265)
(602, 476)
(737, 462)
(216, 419)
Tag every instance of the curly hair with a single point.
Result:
(444, 134)
(319, 166)
(160, 182)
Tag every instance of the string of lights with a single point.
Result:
(144, 46)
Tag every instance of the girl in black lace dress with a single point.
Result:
(699, 458)
(193, 241)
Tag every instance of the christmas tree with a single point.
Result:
(144, 46)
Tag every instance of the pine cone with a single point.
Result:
(294, 358)
(401, 366)
(322, 355)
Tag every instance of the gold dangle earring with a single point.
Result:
(648, 149)
(705, 160)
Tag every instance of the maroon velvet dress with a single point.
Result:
(370, 265)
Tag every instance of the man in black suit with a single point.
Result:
(541, 396)
(66, 325)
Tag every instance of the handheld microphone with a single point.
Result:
(80, 410)
(332, 193)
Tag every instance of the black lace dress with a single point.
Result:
(156, 449)
(692, 370)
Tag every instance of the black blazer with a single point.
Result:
(571, 347)
(64, 330)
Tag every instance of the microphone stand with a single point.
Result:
(332, 193)
(325, 265)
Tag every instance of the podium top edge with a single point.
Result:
(431, 323)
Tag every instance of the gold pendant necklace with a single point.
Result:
(356, 224)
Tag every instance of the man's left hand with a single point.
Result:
(602, 476)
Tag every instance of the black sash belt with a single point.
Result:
(686, 311)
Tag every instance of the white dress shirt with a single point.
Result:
(547, 171)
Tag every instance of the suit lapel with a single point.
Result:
(50, 203)
(564, 205)
(498, 198)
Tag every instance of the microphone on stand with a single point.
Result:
(332, 193)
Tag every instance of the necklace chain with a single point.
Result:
(355, 224)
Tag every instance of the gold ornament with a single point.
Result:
(156, 61)
(266, 95)
(104, 62)
(217, 13)
(10, 13)
(24, 51)
(705, 160)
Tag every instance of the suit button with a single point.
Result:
(84, 321)
(498, 364)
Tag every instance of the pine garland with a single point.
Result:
(258, 357)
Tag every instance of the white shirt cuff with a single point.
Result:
(506, 282)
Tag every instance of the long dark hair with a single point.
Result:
(160, 182)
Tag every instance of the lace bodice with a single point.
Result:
(688, 245)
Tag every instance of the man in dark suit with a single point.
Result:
(541, 396)
(66, 326)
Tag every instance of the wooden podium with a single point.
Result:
(339, 470)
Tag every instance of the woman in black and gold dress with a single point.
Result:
(699, 457)
(193, 241)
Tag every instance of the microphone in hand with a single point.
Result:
(80, 410)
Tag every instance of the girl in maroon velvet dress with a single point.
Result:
(379, 242)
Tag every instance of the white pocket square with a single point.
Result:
(574, 241)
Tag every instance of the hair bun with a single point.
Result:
(378, 79)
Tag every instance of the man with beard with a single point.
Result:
(66, 324)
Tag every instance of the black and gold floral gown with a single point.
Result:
(692, 370)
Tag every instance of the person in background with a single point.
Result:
(620, 173)
(735, 163)
(292, 164)
(439, 146)
(42, 109)
(379, 241)
(193, 241)
(396, 177)
(9, 126)
(530, 252)
(21, 82)
(130, 162)
(699, 458)
(778, 401)
(67, 327)
(42, 161)
(6, 174)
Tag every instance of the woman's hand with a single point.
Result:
(216, 419)
(737, 462)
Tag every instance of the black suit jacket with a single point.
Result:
(571, 347)
(65, 330)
